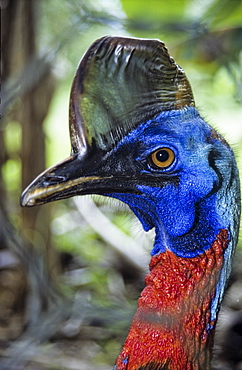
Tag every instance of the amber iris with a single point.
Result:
(162, 158)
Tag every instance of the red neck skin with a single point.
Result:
(171, 327)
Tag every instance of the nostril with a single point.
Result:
(53, 180)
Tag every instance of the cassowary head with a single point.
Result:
(137, 136)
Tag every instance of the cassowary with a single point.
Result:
(136, 136)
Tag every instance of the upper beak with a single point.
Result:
(68, 178)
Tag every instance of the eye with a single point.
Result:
(162, 158)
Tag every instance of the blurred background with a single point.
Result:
(68, 287)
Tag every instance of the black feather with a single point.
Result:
(154, 366)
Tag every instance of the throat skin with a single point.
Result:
(172, 327)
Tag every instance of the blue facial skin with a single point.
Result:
(189, 202)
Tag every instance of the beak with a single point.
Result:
(68, 178)
(120, 83)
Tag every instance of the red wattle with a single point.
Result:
(172, 325)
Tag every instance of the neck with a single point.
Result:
(172, 328)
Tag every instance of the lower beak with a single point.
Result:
(66, 179)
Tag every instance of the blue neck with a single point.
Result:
(198, 239)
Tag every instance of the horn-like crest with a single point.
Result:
(120, 83)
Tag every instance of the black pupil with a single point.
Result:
(162, 155)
